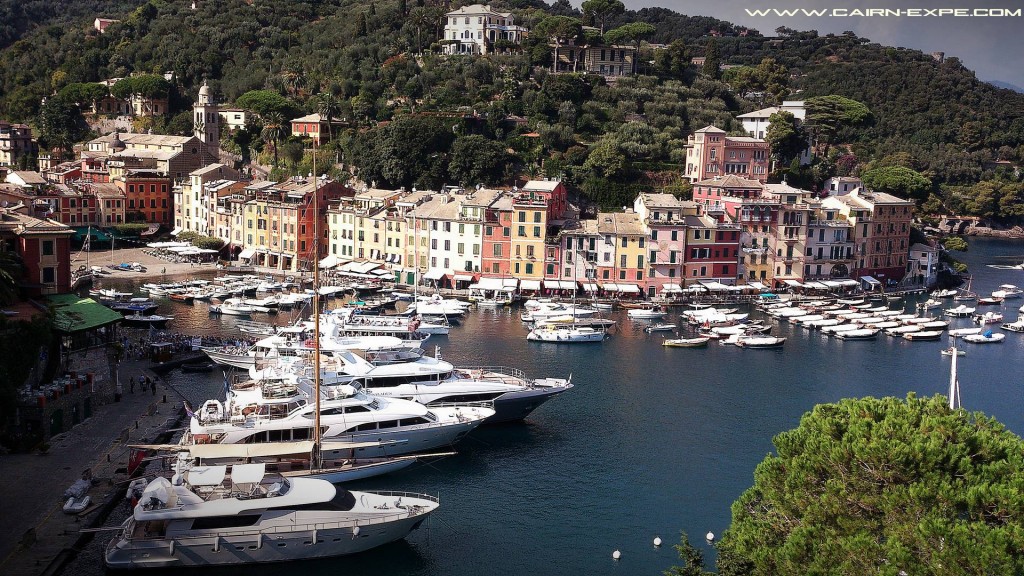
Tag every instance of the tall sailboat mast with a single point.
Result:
(315, 462)
(954, 384)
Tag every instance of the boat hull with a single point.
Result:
(279, 542)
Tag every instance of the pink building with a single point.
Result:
(663, 216)
(710, 153)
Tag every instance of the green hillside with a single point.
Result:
(378, 63)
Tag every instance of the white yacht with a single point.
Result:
(411, 375)
(259, 412)
(566, 333)
(210, 516)
(294, 341)
(437, 305)
(1008, 291)
(346, 321)
(539, 309)
(232, 307)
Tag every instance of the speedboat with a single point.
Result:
(207, 515)
(154, 320)
(232, 307)
(930, 304)
(686, 342)
(761, 342)
(985, 338)
(960, 311)
(660, 327)
(989, 318)
(1015, 326)
(646, 313)
(990, 301)
(861, 334)
(948, 293)
(1007, 291)
(923, 335)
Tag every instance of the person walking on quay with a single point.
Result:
(152, 383)
(131, 384)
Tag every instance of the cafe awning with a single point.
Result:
(246, 254)
(589, 286)
(435, 274)
(793, 283)
(560, 285)
(529, 284)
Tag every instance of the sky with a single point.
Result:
(989, 45)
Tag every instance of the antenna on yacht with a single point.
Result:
(316, 456)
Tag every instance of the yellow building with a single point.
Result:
(529, 228)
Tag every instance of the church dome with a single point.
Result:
(116, 145)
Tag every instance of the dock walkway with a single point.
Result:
(37, 537)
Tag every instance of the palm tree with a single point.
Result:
(327, 107)
(10, 274)
(273, 131)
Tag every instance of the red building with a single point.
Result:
(149, 197)
(45, 249)
(553, 191)
(496, 243)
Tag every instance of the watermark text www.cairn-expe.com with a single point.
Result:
(889, 12)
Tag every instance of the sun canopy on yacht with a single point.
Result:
(248, 473)
(529, 284)
(207, 475)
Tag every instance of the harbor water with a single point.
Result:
(651, 441)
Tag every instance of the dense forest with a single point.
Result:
(928, 129)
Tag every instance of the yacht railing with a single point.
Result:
(408, 511)
(476, 404)
(490, 372)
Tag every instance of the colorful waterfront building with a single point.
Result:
(529, 230)
(735, 200)
(710, 153)
(881, 227)
(279, 222)
(663, 216)
(788, 244)
(44, 246)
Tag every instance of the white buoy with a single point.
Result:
(657, 541)
(710, 536)
(616, 555)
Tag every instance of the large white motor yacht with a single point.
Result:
(210, 516)
(412, 375)
(258, 412)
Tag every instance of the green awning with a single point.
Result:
(74, 313)
(97, 235)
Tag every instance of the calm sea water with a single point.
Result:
(651, 440)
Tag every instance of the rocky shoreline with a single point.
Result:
(1012, 233)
